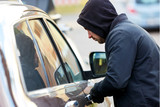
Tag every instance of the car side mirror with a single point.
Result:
(98, 63)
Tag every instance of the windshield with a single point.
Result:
(147, 1)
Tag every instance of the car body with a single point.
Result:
(38, 66)
(49, 7)
(145, 13)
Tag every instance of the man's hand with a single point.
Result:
(95, 96)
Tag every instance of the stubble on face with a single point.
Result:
(101, 41)
(95, 37)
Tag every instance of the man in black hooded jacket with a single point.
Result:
(132, 76)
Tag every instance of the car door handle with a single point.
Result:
(72, 103)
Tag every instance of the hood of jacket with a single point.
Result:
(97, 16)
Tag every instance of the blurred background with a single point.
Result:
(145, 13)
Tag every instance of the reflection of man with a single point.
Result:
(132, 76)
(29, 62)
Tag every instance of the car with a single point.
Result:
(49, 7)
(38, 66)
(145, 13)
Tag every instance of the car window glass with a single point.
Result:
(60, 76)
(48, 52)
(31, 66)
(67, 55)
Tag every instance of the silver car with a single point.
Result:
(145, 13)
(38, 66)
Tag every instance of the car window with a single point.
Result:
(71, 63)
(147, 1)
(32, 70)
(50, 58)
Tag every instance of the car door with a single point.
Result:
(61, 75)
(44, 74)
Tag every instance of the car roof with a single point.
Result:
(13, 8)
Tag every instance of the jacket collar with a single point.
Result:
(118, 19)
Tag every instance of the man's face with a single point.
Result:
(95, 37)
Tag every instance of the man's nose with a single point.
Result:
(89, 35)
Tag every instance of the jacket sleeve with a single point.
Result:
(121, 52)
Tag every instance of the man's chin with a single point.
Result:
(100, 42)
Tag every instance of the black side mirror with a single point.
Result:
(98, 63)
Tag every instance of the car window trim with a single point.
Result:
(39, 53)
(56, 48)
(52, 42)
(80, 67)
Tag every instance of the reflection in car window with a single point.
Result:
(66, 53)
(61, 77)
(69, 73)
(29, 60)
(49, 55)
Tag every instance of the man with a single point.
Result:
(132, 76)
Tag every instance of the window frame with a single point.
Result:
(25, 20)
(47, 29)
(63, 36)
(39, 52)
(41, 19)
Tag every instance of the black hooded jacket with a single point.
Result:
(132, 76)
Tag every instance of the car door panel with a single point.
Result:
(58, 96)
